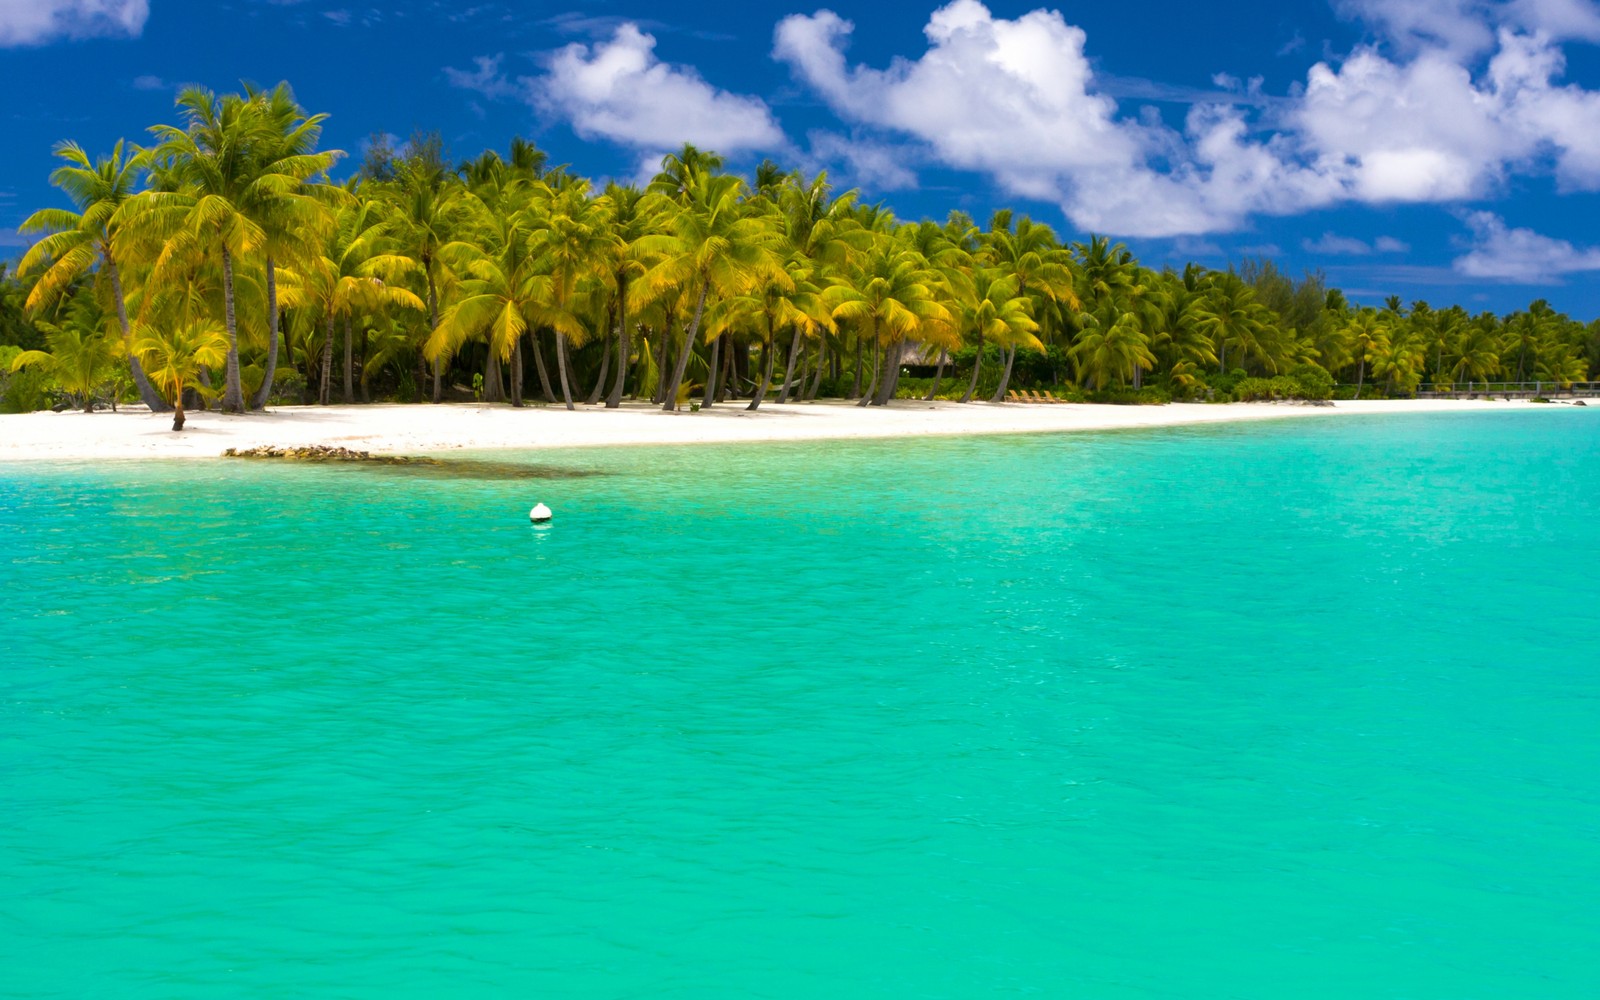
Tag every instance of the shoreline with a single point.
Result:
(420, 428)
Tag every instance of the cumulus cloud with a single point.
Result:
(1018, 100)
(1521, 255)
(875, 165)
(619, 90)
(34, 22)
(1467, 27)
(1331, 244)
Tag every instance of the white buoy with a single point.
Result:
(539, 514)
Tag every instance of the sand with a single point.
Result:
(135, 433)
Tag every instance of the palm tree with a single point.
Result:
(789, 300)
(894, 298)
(822, 231)
(1231, 316)
(293, 215)
(1477, 349)
(80, 356)
(1042, 267)
(426, 209)
(995, 311)
(339, 282)
(230, 163)
(632, 215)
(175, 357)
(1111, 351)
(76, 241)
(572, 244)
(711, 245)
(1368, 331)
(500, 291)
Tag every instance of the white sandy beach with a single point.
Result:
(421, 429)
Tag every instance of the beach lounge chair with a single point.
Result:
(1034, 397)
(1050, 397)
(1013, 397)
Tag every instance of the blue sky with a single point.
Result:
(1446, 150)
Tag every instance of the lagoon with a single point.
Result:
(1303, 708)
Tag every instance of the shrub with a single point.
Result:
(1315, 381)
(1259, 389)
(1150, 395)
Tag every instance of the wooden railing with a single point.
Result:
(1509, 390)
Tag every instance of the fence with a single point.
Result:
(1508, 390)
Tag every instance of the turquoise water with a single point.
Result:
(1308, 709)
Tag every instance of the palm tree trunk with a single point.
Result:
(327, 364)
(614, 397)
(805, 369)
(788, 368)
(177, 408)
(662, 340)
(855, 390)
(977, 365)
(433, 324)
(1005, 376)
(561, 368)
(872, 387)
(891, 374)
(232, 397)
(494, 390)
(768, 356)
(349, 361)
(271, 371)
(1361, 374)
(366, 389)
(938, 374)
(516, 372)
(669, 400)
(605, 369)
(728, 387)
(713, 369)
(538, 363)
(147, 392)
(816, 379)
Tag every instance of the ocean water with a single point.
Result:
(1307, 709)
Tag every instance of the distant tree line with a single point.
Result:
(223, 264)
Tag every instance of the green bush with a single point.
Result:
(1248, 390)
(1315, 381)
(1150, 395)
(23, 391)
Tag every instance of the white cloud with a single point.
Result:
(619, 90)
(1467, 27)
(150, 81)
(1331, 244)
(1008, 97)
(1334, 245)
(486, 79)
(854, 161)
(34, 22)
(1521, 255)
(1018, 100)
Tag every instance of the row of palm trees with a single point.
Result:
(226, 245)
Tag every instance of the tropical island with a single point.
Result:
(224, 266)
